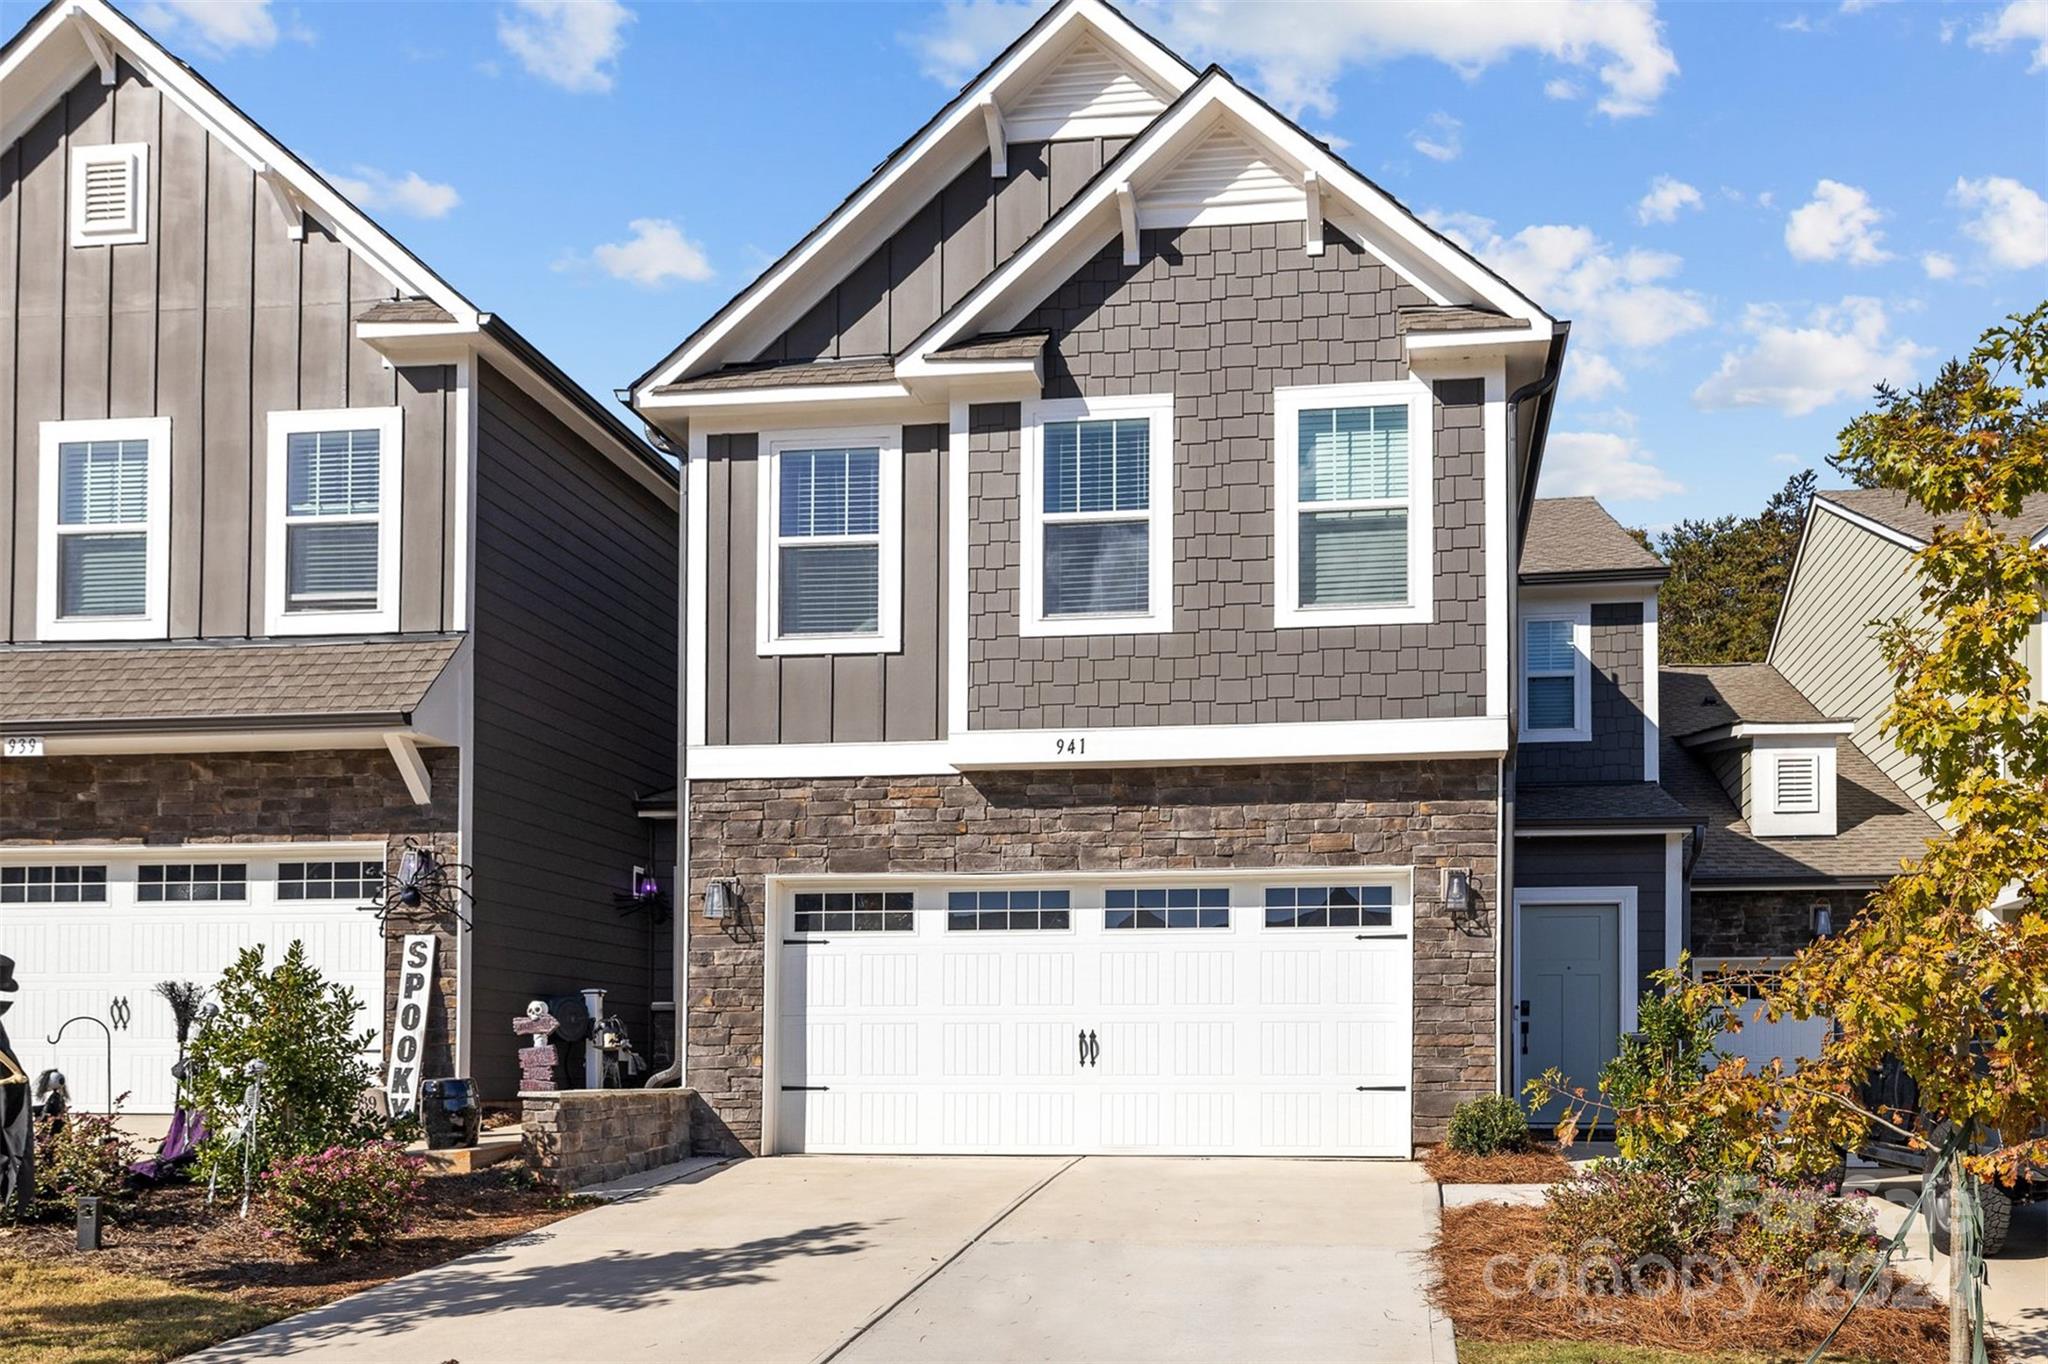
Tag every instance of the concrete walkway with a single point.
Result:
(813, 1258)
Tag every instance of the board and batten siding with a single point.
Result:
(1619, 861)
(216, 320)
(1614, 753)
(1848, 579)
(822, 698)
(575, 640)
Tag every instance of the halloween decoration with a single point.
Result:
(178, 1149)
(620, 1062)
(17, 1127)
(423, 889)
(539, 1068)
(53, 1097)
(450, 1112)
(185, 998)
(244, 1135)
(646, 897)
(409, 1036)
(120, 1022)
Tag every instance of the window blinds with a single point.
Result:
(1551, 661)
(333, 501)
(833, 497)
(104, 485)
(1352, 466)
(1097, 555)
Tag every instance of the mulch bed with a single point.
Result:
(170, 1234)
(1541, 1164)
(1706, 1319)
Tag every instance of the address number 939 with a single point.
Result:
(22, 745)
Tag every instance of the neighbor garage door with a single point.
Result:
(1219, 1016)
(88, 929)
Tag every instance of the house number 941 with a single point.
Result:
(1069, 748)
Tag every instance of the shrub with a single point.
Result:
(1480, 1127)
(343, 1199)
(1612, 1218)
(1674, 1043)
(1802, 1236)
(303, 1029)
(84, 1155)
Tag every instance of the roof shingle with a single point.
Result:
(1890, 508)
(1693, 700)
(735, 378)
(1433, 318)
(405, 310)
(1574, 537)
(1636, 804)
(1007, 346)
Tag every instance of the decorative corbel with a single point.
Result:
(96, 43)
(998, 140)
(1312, 191)
(413, 768)
(289, 205)
(1127, 209)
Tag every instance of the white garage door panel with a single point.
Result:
(73, 959)
(1246, 1039)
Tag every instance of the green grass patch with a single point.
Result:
(72, 1313)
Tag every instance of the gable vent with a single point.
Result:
(1087, 93)
(1222, 179)
(1798, 784)
(109, 187)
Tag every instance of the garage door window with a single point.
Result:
(1190, 907)
(330, 880)
(193, 883)
(53, 885)
(998, 910)
(1329, 906)
(868, 911)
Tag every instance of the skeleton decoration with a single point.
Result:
(244, 1135)
(620, 1060)
(540, 1069)
(422, 890)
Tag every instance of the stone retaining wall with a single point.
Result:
(578, 1137)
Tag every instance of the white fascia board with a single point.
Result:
(1759, 730)
(731, 761)
(964, 126)
(389, 337)
(1877, 528)
(793, 395)
(1490, 341)
(291, 849)
(209, 741)
(817, 416)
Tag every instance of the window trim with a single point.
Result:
(154, 622)
(888, 637)
(136, 154)
(1157, 617)
(383, 619)
(1288, 405)
(1581, 618)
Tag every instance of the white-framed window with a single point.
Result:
(53, 885)
(1096, 556)
(995, 911)
(352, 879)
(335, 500)
(110, 194)
(1166, 907)
(831, 543)
(106, 501)
(1354, 504)
(1557, 675)
(205, 883)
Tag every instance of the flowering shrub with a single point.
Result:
(1620, 1221)
(345, 1198)
(1802, 1236)
(84, 1155)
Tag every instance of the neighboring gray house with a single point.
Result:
(301, 555)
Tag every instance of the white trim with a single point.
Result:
(1127, 221)
(1791, 581)
(1580, 616)
(1877, 528)
(1623, 898)
(771, 1009)
(154, 622)
(389, 423)
(1601, 830)
(134, 157)
(697, 544)
(1491, 339)
(209, 741)
(1674, 899)
(724, 762)
(405, 752)
(1157, 618)
(887, 637)
(718, 399)
(1312, 193)
(1652, 702)
(998, 140)
(466, 428)
(1420, 504)
(959, 455)
(1501, 601)
(65, 853)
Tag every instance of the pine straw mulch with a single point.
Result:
(1714, 1320)
(170, 1234)
(1540, 1164)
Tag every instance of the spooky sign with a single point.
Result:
(415, 979)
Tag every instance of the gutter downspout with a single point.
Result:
(1544, 386)
(676, 1071)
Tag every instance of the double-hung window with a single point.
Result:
(1098, 524)
(106, 541)
(1352, 506)
(831, 544)
(334, 496)
(1556, 659)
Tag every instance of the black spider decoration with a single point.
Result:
(647, 897)
(422, 889)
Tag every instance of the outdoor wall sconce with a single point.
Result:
(1457, 889)
(719, 899)
(1823, 920)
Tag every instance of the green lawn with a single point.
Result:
(71, 1313)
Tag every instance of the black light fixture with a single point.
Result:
(1823, 919)
(719, 899)
(1457, 889)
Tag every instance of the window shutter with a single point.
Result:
(1798, 784)
(109, 194)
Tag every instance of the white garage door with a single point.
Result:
(86, 930)
(1761, 1041)
(1218, 1016)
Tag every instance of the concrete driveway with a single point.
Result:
(815, 1258)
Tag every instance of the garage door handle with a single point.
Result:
(1081, 1041)
(1094, 1049)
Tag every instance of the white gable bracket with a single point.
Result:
(290, 206)
(95, 43)
(1312, 189)
(1127, 209)
(998, 140)
(418, 781)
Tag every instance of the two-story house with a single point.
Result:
(1099, 677)
(305, 560)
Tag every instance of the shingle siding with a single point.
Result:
(1615, 752)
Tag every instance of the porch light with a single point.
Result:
(719, 898)
(1457, 889)
(1823, 919)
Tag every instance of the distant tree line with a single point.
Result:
(1728, 578)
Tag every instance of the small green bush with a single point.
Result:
(1612, 1220)
(83, 1155)
(1480, 1127)
(344, 1199)
(1803, 1236)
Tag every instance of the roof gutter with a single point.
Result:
(204, 724)
(502, 332)
(1544, 388)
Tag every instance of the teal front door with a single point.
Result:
(1568, 1010)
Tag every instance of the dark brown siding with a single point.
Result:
(1615, 752)
(575, 716)
(218, 319)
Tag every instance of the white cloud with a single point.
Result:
(571, 43)
(215, 25)
(1559, 87)
(2023, 22)
(1297, 49)
(656, 255)
(410, 194)
(1838, 223)
(1666, 198)
(1439, 139)
(1616, 297)
(1841, 352)
(1589, 375)
(1787, 460)
(2011, 221)
(1604, 465)
(1938, 265)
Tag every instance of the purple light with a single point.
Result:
(647, 886)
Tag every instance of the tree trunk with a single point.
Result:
(1960, 1242)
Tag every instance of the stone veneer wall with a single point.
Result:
(1426, 814)
(1762, 923)
(579, 1137)
(173, 800)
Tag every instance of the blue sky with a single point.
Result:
(1750, 211)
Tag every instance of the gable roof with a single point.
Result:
(1895, 511)
(1574, 538)
(1699, 699)
(878, 206)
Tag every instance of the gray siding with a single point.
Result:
(1220, 316)
(1615, 752)
(1638, 862)
(575, 645)
(946, 248)
(218, 319)
(1848, 580)
(844, 698)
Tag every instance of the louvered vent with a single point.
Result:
(1798, 784)
(1085, 89)
(107, 194)
(1222, 179)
